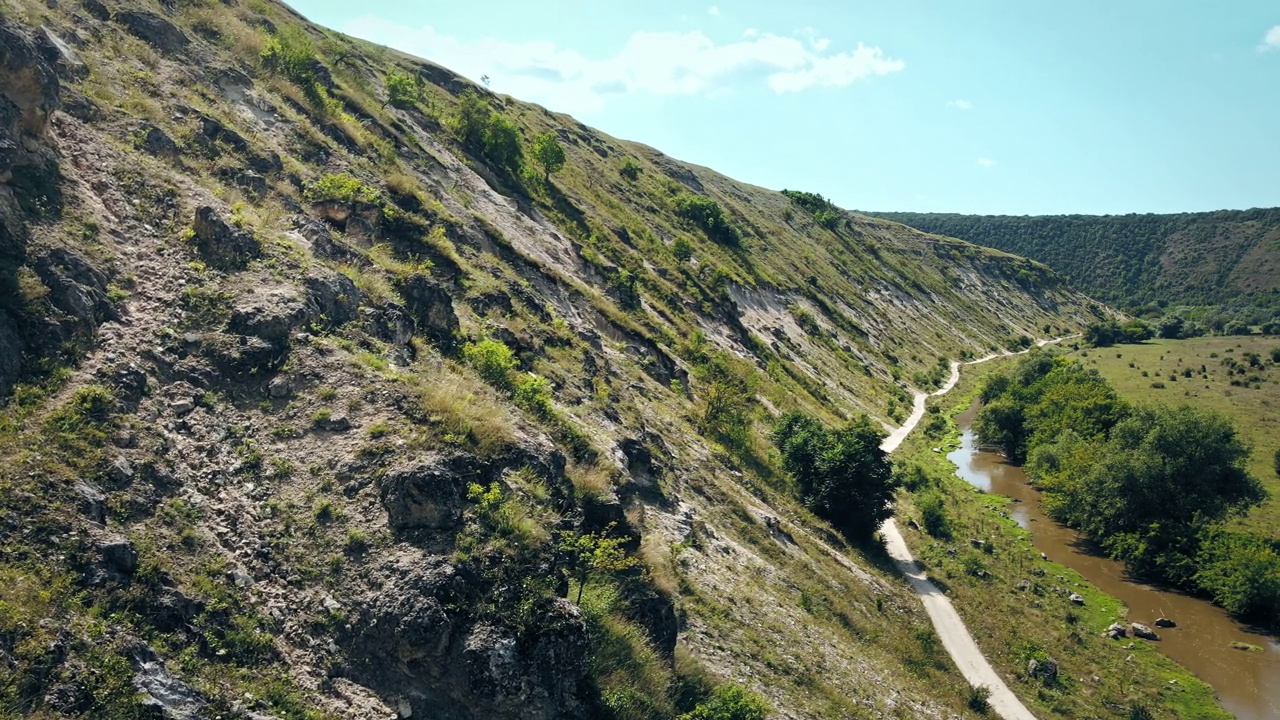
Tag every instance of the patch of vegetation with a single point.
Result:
(1152, 485)
(842, 474)
(822, 209)
(487, 133)
(707, 214)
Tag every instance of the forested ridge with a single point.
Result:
(1226, 258)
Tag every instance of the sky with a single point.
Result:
(986, 107)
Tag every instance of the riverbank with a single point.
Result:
(1018, 607)
(1205, 637)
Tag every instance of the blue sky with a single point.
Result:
(976, 106)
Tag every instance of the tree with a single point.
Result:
(590, 555)
(630, 169)
(682, 249)
(502, 143)
(548, 153)
(841, 474)
(1241, 571)
(1171, 327)
(404, 91)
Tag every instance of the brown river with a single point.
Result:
(1247, 683)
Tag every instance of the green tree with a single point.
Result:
(493, 360)
(548, 153)
(1241, 571)
(591, 555)
(502, 143)
(404, 91)
(630, 169)
(841, 474)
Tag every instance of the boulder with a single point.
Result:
(1144, 632)
(431, 308)
(431, 495)
(1165, 622)
(118, 555)
(332, 299)
(96, 10)
(322, 241)
(1044, 670)
(221, 245)
(27, 81)
(11, 346)
(1115, 631)
(76, 288)
(58, 53)
(389, 323)
(271, 313)
(235, 356)
(91, 501)
(148, 26)
(536, 678)
(157, 142)
(1076, 598)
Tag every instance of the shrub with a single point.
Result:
(682, 249)
(630, 169)
(342, 188)
(979, 699)
(487, 133)
(1241, 571)
(707, 214)
(493, 360)
(533, 393)
(729, 702)
(404, 91)
(933, 515)
(292, 54)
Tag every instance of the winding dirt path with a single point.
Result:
(950, 628)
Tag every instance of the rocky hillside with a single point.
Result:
(1228, 259)
(322, 399)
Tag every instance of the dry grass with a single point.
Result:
(591, 481)
(461, 410)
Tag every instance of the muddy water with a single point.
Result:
(1247, 683)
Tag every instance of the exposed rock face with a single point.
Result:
(221, 245)
(432, 309)
(76, 288)
(161, 33)
(332, 299)
(164, 694)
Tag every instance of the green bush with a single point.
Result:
(707, 214)
(1241, 571)
(487, 133)
(630, 169)
(729, 702)
(342, 188)
(842, 474)
(682, 249)
(493, 360)
(933, 514)
(292, 54)
(533, 393)
(404, 91)
(979, 699)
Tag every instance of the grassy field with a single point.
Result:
(1222, 378)
(1097, 677)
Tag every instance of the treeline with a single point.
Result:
(1153, 486)
(1135, 260)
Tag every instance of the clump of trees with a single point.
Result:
(487, 133)
(707, 214)
(1110, 332)
(822, 209)
(1153, 486)
(840, 473)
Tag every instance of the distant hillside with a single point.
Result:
(1229, 258)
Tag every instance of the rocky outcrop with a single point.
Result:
(430, 495)
(221, 245)
(148, 26)
(431, 307)
(1045, 670)
(162, 693)
(332, 299)
(76, 288)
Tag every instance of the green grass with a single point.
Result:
(1014, 626)
(1254, 407)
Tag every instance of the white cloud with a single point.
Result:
(1271, 41)
(655, 63)
(714, 11)
(960, 104)
(985, 162)
(750, 33)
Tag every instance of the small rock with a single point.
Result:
(182, 407)
(337, 423)
(119, 555)
(93, 502)
(157, 142)
(1076, 598)
(241, 579)
(330, 604)
(220, 244)
(1165, 622)
(1023, 585)
(1144, 632)
(975, 542)
(279, 388)
(404, 708)
(120, 471)
(1044, 557)
(1115, 631)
